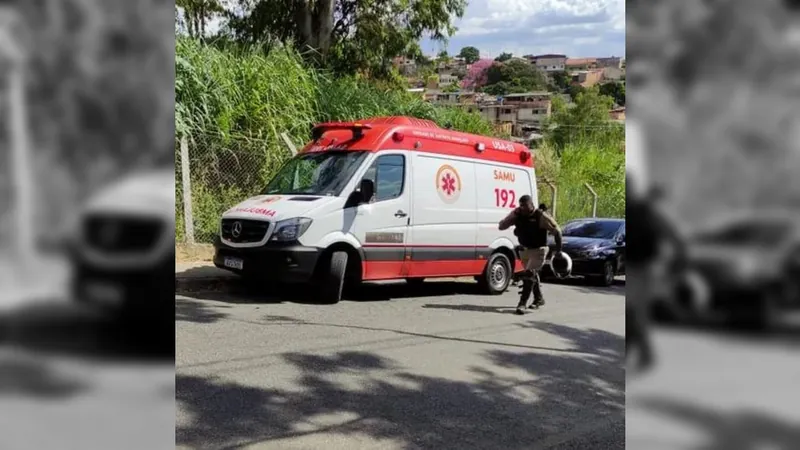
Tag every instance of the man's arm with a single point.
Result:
(550, 224)
(508, 221)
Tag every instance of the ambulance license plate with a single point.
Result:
(233, 263)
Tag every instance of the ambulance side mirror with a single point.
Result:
(367, 190)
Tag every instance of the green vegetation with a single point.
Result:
(233, 102)
(346, 37)
(584, 147)
(615, 90)
(585, 121)
(470, 54)
(514, 76)
(504, 57)
(561, 81)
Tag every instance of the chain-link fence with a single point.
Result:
(221, 171)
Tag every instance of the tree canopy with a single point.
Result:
(615, 90)
(561, 80)
(586, 120)
(347, 36)
(504, 57)
(470, 54)
(197, 14)
(512, 77)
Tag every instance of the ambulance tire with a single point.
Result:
(497, 276)
(333, 278)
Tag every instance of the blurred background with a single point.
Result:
(86, 134)
(713, 99)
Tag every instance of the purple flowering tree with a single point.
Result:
(476, 75)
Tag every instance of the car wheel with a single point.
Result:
(333, 279)
(609, 272)
(497, 275)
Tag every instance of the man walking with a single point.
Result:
(531, 226)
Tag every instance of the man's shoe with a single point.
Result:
(536, 304)
(520, 311)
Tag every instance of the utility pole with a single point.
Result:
(13, 57)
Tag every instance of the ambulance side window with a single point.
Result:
(389, 174)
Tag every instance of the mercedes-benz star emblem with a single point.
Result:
(236, 230)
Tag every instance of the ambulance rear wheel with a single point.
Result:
(497, 275)
(332, 278)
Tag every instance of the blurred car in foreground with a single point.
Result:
(123, 257)
(597, 248)
(750, 264)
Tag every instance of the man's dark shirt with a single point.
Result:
(644, 231)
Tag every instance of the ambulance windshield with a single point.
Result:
(322, 173)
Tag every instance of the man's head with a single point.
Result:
(526, 204)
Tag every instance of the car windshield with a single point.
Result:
(323, 173)
(750, 233)
(594, 229)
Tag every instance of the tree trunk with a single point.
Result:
(201, 17)
(304, 19)
(324, 19)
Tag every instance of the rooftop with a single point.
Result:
(526, 94)
(548, 55)
(580, 61)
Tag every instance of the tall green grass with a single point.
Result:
(601, 166)
(232, 103)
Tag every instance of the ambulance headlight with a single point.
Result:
(290, 229)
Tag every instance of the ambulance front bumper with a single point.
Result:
(289, 262)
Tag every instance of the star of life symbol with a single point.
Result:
(448, 184)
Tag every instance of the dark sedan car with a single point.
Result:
(597, 248)
(750, 265)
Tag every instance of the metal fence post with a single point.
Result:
(553, 197)
(188, 218)
(289, 143)
(594, 194)
(14, 52)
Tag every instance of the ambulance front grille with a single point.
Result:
(249, 231)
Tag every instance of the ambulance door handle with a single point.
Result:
(400, 213)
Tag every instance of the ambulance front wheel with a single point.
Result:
(333, 277)
(497, 275)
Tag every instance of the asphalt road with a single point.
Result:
(72, 380)
(715, 389)
(435, 368)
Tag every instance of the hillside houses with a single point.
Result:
(521, 115)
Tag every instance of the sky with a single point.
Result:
(576, 28)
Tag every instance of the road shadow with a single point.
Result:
(743, 429)
(238, 291)
(33, 378)
(402, 290)
(586, 285)
(187, 310)
(512, 399)
(473, 308)
(67, 329)
(779, 334)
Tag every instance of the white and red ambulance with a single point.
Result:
(383, 199)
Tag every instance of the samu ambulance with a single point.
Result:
(383, 199)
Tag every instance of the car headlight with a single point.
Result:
(596, 252)
(290, 229)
